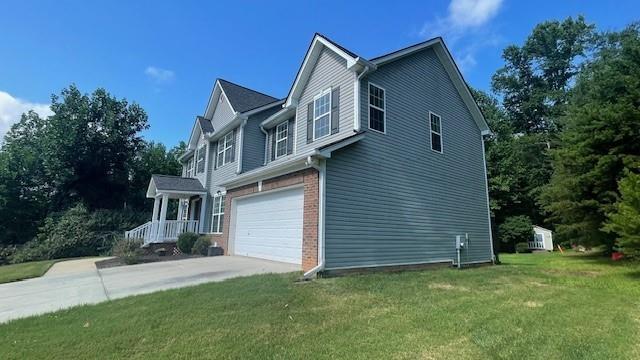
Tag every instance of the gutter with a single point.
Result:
(320, 165)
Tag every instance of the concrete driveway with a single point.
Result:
(77, 282)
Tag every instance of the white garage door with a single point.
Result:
(269, 226)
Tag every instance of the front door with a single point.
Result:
(194, 209)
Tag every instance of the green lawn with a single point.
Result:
(15, 272)
(535, 306)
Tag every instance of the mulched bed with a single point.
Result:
(144, 259)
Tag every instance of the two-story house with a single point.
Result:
(365, 163)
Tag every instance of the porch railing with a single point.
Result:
(149, 232)
(536, 245)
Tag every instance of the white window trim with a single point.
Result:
(224, 148)
(191, 167)
(384, 110)
(197, 157)
(439, 133)
(323, 93)
(285, 139)
(218, 212)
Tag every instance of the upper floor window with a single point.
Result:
(282, 135)
(200, 158)
(217, 214)
(225, 149)
(322, 114)
(436, 132)
(190, 168)
(377, 103)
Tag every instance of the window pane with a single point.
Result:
(376, 119)
(228, 156)
(220, 158)
(321, 105)
(222, 200)
(376, 96)
(436, 142)
(435, 123)
(322, 126)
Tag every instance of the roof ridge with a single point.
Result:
(406, 48)
(246, 88)
(173, 176)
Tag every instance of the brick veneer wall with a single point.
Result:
(308, 177)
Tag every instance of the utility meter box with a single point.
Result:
(459, 242)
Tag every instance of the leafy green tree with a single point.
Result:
(90, 144)
(515, 230)
(624, 220)
(537, 76)
(152, 158)
(600, 142)
(25, 188)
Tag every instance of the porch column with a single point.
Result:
(179, 209)
(203, 207)
(163, 217)
(156, 209)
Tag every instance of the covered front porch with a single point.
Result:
(191, 197)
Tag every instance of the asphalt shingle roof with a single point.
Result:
(205, 124)
(176, 183)
(244, 99)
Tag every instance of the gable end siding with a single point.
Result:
(329, 71)
(389, 198)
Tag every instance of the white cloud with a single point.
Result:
(159, 75)
(466, 22)
(11, 109)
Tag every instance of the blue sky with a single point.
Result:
(166, 55)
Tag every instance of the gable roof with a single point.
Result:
(205, 124)
(318, 43)
(452, 69)
(243, 99)
(171, 183)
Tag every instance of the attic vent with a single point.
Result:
(221, 98)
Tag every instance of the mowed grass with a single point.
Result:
(535, 306)
(16, 272)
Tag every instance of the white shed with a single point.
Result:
(542, 239)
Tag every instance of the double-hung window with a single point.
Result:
(377, 105)
(200, 158)
(225, 149)
(282, 135)
(190, 168)
(217, 217)
(435, 124)
(322, 114)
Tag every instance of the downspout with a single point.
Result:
(356, 105)
(266, 144)
(319, 165)
(240, 144)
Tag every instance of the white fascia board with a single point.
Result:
(151, 189)
(310, 58)
(186, 154)
(263, 108)
(234, 123)
(277, 117)
(326, 152)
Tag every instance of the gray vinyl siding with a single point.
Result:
(254, 138)
(390, 199)
(217, 176)
(222, 115)
(329, 71)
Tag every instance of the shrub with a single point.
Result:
(6, 254)
(201, 246)
(624, 220)
(186, 241)
(515, 229)
(129, 250)
(522, 247)
(77, 232)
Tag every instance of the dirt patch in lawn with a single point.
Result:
(584, 273)
(444, 286)
(144, 259)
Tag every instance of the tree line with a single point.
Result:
(565, 149)
(89, 157)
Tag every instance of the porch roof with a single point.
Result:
(168, 184)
